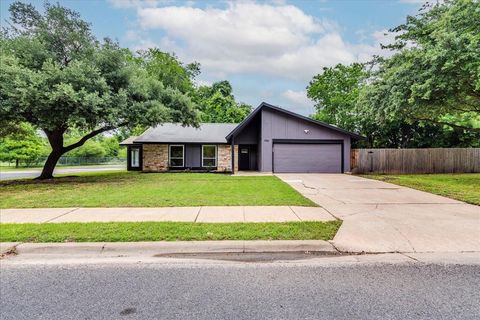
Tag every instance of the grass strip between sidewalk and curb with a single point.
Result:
(166, 231)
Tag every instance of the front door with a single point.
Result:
(244, 158)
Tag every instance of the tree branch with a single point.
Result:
(449, 124)
(92, 134)
(474, 93)
(473, 108)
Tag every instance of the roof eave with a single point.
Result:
(179, 142)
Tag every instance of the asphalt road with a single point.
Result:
(240, 291)
(35, 172)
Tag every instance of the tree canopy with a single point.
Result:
(217, 104)
(434, 73)
(23, 145)
(57, 76)
(335, 93)
(168, 69)
(426, 94)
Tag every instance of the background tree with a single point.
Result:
(434, 74)
(339, 92)
(57, 76)
(168, 69)
(90, 149)
(111, 145)
(425, 95)
(217, 104)
(335, 93)
(24, 145)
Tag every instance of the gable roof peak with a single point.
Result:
(293, 114)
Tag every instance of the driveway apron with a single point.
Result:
(383, 217)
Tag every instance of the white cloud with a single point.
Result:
(384, 37)
(144, 44)
(131, 35)
(200, 82)
(248, 37)
(299, 98)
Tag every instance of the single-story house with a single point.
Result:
(270, 139)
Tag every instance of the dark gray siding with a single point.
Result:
(253, 159)
(276, 125)
(193, 155)
(259, 145)
(249, 135)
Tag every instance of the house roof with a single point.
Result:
(214, 132)
(128, 141)
(176, 133)
(250, 117)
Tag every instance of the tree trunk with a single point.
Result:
(49, 166)
(55, 137)
(56, 142)
(16, 163)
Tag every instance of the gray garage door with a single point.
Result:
(325, 158)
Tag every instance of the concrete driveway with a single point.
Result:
(383, 217)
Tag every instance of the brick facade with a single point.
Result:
(225, 158)
(155, 157)
(235, 151)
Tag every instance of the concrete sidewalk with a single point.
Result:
(183, 214)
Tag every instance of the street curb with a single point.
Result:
(8, 247)
(170, 247)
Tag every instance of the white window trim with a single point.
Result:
(170, 155)
(216, 155)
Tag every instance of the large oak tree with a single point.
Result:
(57, 76)
(434, 72)
(425, 94)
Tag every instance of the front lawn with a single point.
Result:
(134, 189)
(463, 187)
(167, 231)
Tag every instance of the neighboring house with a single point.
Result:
(270, 139)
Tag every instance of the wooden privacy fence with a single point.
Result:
(431, 160)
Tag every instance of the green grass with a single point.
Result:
(134, 189)
(168, 231)
(463, 187)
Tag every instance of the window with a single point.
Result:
(135, 157)
(176, 154)
(209, 156)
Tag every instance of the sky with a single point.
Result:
(268, 50)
